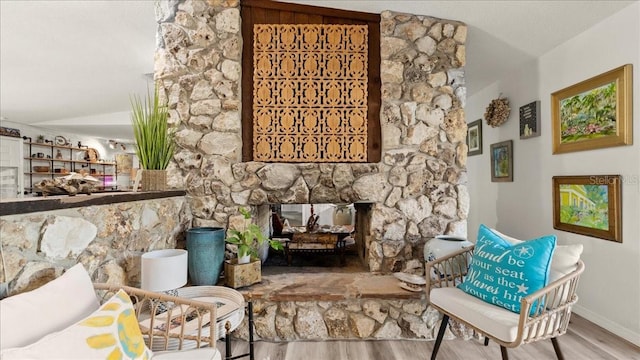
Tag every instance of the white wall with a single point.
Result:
(609, 290)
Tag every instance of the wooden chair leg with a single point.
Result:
(443, 328)
(486, 341)
(503, 351)
(556, 348)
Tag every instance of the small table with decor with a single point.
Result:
(329, 240)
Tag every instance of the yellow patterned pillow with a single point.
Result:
(111, 332)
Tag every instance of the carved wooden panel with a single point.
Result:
(310, 93)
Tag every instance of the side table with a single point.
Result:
(229, 314)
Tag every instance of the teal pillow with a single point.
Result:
(502, 274)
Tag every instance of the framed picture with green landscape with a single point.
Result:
(593, 114)
(502, 161)
(588, 205)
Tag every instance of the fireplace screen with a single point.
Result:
(310, 93)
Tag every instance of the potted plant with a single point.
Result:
(246, 270)
(250, 239)
(154, 139)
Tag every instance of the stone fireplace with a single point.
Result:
(417, 190)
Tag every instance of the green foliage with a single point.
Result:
(251, 238)
(154, 140)
(589, 115)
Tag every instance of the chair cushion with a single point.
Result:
(195, 354)
(111, 332)
(493, 320)
(29, 316)
(502, 274)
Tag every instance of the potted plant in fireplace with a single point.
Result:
(245, 269)
(154, 139)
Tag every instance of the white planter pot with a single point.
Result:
(443, 245)
(244, 259)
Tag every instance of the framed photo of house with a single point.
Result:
(502, 161)
(474, 137)
(588, 205)
(593, 114)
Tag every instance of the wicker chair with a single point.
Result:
(174, 323)
(534, 322)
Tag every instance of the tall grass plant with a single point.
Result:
(154, 139)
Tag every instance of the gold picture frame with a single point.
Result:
(588, 205)
(595, 113)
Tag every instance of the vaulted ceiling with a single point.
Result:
(73, 65)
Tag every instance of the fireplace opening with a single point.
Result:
(316, 237)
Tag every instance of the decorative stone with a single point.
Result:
(398, 176)
(374, 310)
(309, 324)
(427, 45)
(228, 21)
(436, 31)
(390, 46)
(414, 307)
(201, 90)
(392, 134)
(219, 143)
(66, 237)
(419, 133)
(371, 188)
(361, 326)
(284, 328)
(447, 30)
(231, 69)
(422, 93)
(336, 321)
(278, 176)
(390, 330)
(298, 193)
(342, 176)
(408, 111)
(411, 30)
(393, 197)
(34, 275)
(206, 107)
(265, 326)
(199, 122)
(414, 326)
(391, 71)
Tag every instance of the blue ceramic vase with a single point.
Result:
(206, 254)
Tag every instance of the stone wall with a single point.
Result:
(418, 189)
(107, 239)
(349, 319)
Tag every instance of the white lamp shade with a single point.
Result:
(164, 270)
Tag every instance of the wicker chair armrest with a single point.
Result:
(448, 271)
(168, 321)
(546, 312)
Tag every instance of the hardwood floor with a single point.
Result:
(583, 341)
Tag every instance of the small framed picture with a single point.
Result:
(502, 161)
(530, 120)
(474, 137)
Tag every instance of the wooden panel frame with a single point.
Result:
(613, 203)
(271, 12)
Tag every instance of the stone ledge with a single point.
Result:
(328, 287)
(31, 205)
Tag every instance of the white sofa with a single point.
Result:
(64, 319)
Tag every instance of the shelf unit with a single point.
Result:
(44, 154)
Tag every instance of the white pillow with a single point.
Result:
(111, 332)
(564, 260)
(27, 317)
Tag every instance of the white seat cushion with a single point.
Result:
(27, 317)
(494, 320)
(195, 354)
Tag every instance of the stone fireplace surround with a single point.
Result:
(418, 189)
